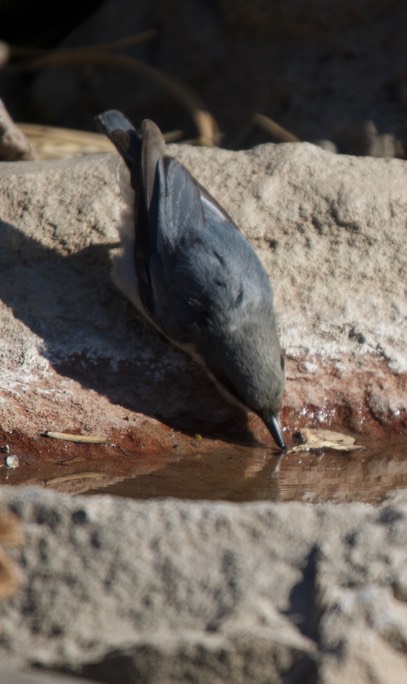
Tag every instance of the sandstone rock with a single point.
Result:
(330, 231)
(175, 591)
(38, 677)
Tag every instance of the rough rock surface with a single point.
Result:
(8, 676)
(175, 591)
(330, 231)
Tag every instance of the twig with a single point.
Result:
(274, 128)
(14, 146)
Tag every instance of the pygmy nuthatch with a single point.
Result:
(190, 272)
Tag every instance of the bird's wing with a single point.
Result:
(189, 256)
(197, 259)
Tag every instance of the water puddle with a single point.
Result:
(192, 468)
(255, 473)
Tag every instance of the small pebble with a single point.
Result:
(308, 367)
(12, 461)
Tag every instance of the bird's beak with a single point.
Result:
(274, 426)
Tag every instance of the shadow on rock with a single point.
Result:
(88, 332)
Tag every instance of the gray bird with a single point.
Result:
(190, 272)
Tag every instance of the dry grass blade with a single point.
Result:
(50, 142)
(274, 128)
(136, 39)
(79, 439)
(86, 57)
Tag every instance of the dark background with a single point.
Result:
(331, 72)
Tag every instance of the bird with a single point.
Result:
(192, 275)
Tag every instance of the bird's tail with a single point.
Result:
(141, 151)
(123, 135)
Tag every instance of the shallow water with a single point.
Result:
(190, 467)
(256, 473)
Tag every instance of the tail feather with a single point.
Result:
(123, 135)
(140, 151)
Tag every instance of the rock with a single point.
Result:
(331, 232)
(175, 591)
(38, 677)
